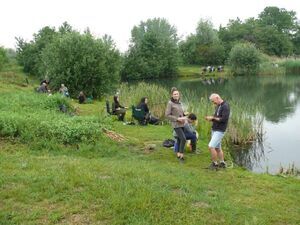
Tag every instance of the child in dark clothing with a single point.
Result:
(81, 97)
(189, 132)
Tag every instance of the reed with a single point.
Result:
(245, 124)
(157, 96)
(291, 170)
(268, 68)
(292, 66)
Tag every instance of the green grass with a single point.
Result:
(292, 66)
(187, 71)
(115, 184)
(196, 71)
(269, 68)
(100, 181)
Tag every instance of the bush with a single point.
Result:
(41, 119)
(3, 58)
(244, 59)
(82, 63)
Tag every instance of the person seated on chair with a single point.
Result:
(189, 132)
(118, 109)
(81, 97)
(148, 117)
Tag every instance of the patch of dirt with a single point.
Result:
(200, 205)
(113, 135)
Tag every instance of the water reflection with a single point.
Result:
(250, 157)
(277, 96)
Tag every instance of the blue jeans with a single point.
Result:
(188, 136)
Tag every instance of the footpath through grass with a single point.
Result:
(101, 181)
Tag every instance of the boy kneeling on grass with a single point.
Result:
(189, 132)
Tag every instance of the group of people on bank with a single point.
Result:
(182, 125)
(120, 111)
(44, 88)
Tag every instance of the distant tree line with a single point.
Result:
(94, 65)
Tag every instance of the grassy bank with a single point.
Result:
(99, 180)
(268, 66)
(196, 71)
(115, 184)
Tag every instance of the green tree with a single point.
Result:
(281, 19)
(204, 47)
(244, 59)
(237, 31)
(82, 63)
(153, 52)
(296, 41)
(273, 42)
(29, 53)
(271, 32)
(3, 57)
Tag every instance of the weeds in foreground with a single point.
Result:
(292, 170)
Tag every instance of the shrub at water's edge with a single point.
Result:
(244, 59)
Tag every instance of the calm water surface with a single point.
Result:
(278, 99)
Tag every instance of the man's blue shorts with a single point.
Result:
(216, 139)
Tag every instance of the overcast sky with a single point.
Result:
(22, 18)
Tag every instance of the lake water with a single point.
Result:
(278, 98)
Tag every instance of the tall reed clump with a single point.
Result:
(292, 170)
(157, 96)
(31, 116)
(200, 106)
(269, 68)
(292, 66)
(245, 124)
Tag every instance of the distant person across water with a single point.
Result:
(118, 109)
(149, 118)
(81, 97)
(64, 90)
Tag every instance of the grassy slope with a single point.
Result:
(121, 183)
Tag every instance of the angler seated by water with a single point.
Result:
(148, 117)
(118, 109)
